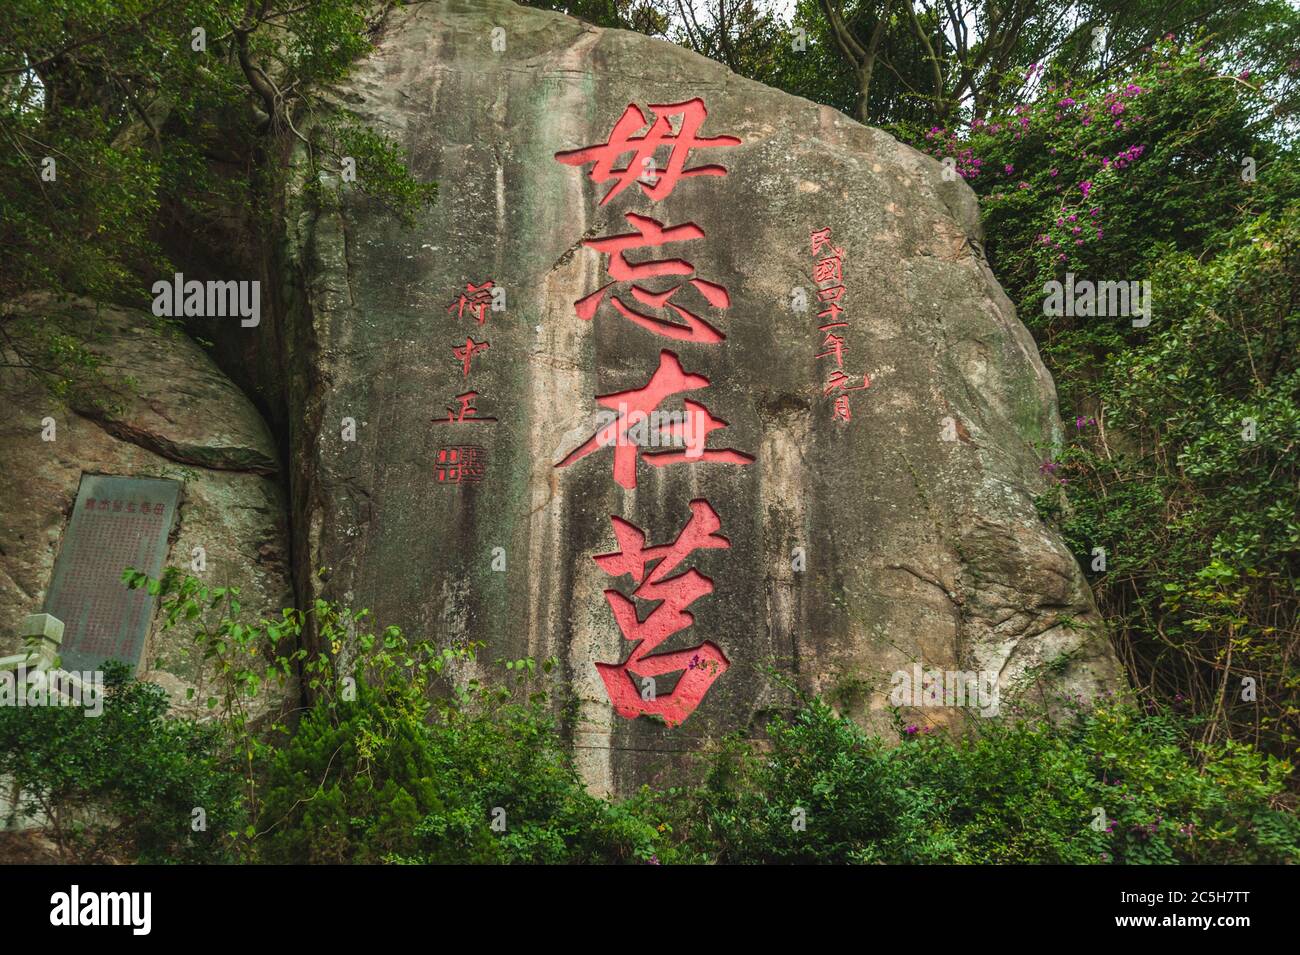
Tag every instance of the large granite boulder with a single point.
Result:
(842, 551)
(164, 411)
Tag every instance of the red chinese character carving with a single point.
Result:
(820, 239)
(466, 355)
(634, 407)
(466, 413)
(651, 233)
(841, 412)
(829, 269)
(478, 299)
(838, 380)
(833, 313)
(700, 665)
(460, 465)
(836, 345)
(657, 183)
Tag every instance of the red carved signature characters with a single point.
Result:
(826, 270)
(651, 233)
(839, 381)
(657, 183)
(461, 465)
(466, 353)
(466, 413)
(476, 298)
(835, 348)
(635, 407)
(700, 665)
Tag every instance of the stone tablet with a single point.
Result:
(118, 522)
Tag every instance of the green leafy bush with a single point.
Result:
(1179, 453)
(1112, 785)
(475, 778)
(124, 784)
(394, 760)
(1194, 489)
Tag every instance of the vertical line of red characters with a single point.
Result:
(465, 463)
(643, 293)
(828, 273)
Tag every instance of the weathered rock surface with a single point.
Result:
(918, 549)
(177, 417)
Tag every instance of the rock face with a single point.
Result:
(853, 549)
(179, 418)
